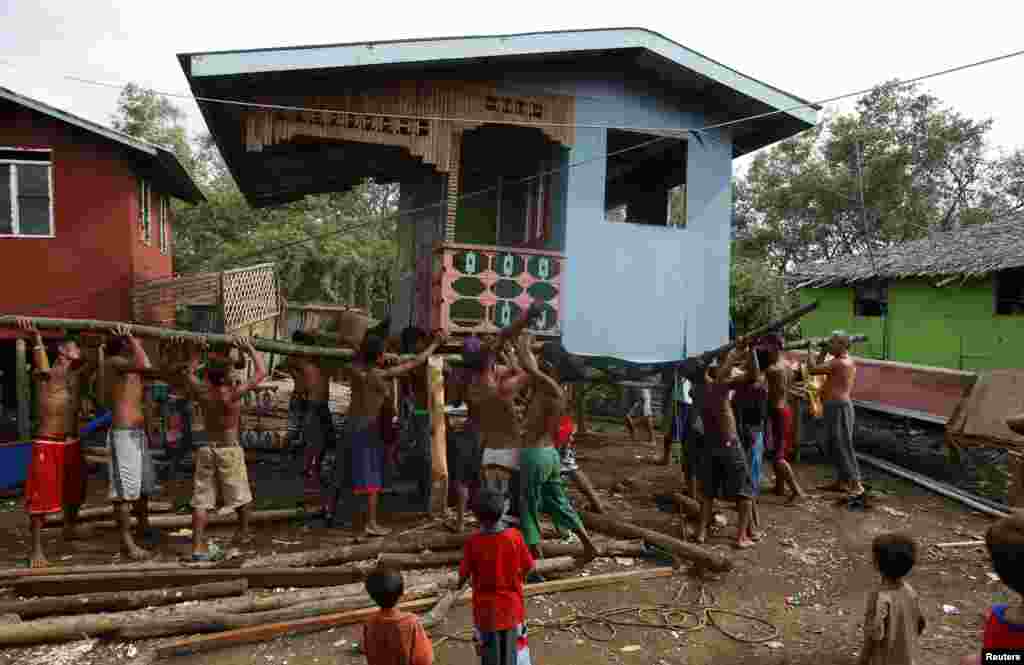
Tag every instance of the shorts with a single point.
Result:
(365, 459)
(542, 492)
(132, 474)
(56, 476)
(779, 435)
(220, 472)
(724, 472)
(464, 456)
(643, 404)
(693, 453)
(502, 647)
(505, 458)
(567, 455)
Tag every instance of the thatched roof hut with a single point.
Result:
(971, 251)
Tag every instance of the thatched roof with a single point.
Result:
(972, 251)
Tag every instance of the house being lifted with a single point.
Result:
(510, 151)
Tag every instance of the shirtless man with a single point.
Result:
(840, 373)
(641, 403)
(220, 470)
(415, 402)
(723, 468)
(132, 476)
(318, 433)
(56, 473)
(491, 396)
(780, 432)
(541, 489)
(371, 386)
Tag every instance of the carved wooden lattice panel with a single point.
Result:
(249, 295)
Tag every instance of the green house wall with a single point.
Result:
(953, 326)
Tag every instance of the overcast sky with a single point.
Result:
(811, 49)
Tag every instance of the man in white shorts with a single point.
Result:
(641, 404)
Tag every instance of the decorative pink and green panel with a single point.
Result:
(481, 289)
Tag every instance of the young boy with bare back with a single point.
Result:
(220, 469)
(371, 386)
(56, 474)
(132, 475)
(840, 373)
(723, 468)
(541, 489)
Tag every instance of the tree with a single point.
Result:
(151, 117)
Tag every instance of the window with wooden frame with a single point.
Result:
(162, 221)
(1010, 292)
(871, 298)
(26, 193)
(144, 192)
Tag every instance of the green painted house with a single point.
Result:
(954, 299)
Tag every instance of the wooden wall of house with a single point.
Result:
(954, 326)
(87, 269)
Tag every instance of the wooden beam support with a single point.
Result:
(621, 529)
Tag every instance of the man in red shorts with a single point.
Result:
(56, 473)
(779, 434)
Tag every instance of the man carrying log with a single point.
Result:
(414, 409)
(371, 386)
(318, 433)
(56, 474)
(132, 475)
(723, 469)
(541, 488)
(220, 469)
(840, 373)
(779, 434)
(491, 396)
(298, 405)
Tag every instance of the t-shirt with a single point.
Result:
(1000, 634)
(891, 622)
(497, 563)
(396, 640)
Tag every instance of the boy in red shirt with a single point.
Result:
(391, 637)
(497, 559)
(1005, 626)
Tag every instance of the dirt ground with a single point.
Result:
(808, 578)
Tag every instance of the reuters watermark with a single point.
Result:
(1002, 656)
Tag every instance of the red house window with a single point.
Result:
(26, 193)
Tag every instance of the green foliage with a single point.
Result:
(337, 247)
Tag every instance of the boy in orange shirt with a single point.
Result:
(497, 559)
(392, 637)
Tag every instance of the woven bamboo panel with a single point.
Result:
(430, 139)
(154, 302)
(250, 295)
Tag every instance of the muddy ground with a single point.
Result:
(807, 578)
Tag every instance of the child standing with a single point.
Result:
(497, 560)
(391, 637)
(1005, 626)
(893, 621)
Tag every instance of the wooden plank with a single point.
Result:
(120, 600)
(9, 574)
(185, 521)
(913, 414)
(93, 512)
(65, 585)
(262, 633)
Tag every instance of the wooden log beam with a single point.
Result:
(334, 555)
(9, 574)
(185, 521)
(95, 512)
(618, 528)
(120, 600)
(553, 548)
(818, 342)
(262, 633)
(65, 585)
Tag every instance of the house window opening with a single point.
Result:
(143, 192)
(1010, 292)
(871, 299)
(26, 193)
(645, 179)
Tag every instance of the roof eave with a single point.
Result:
(416, 51)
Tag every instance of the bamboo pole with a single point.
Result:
(806, 344)
(777, 324)
(115, 601)
(93, 512)
(332, 556)
(185, 521)
(24, 389)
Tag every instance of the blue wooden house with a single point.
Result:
(531, 166)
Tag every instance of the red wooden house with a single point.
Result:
(85, 216)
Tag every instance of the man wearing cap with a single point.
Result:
(840, 373)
